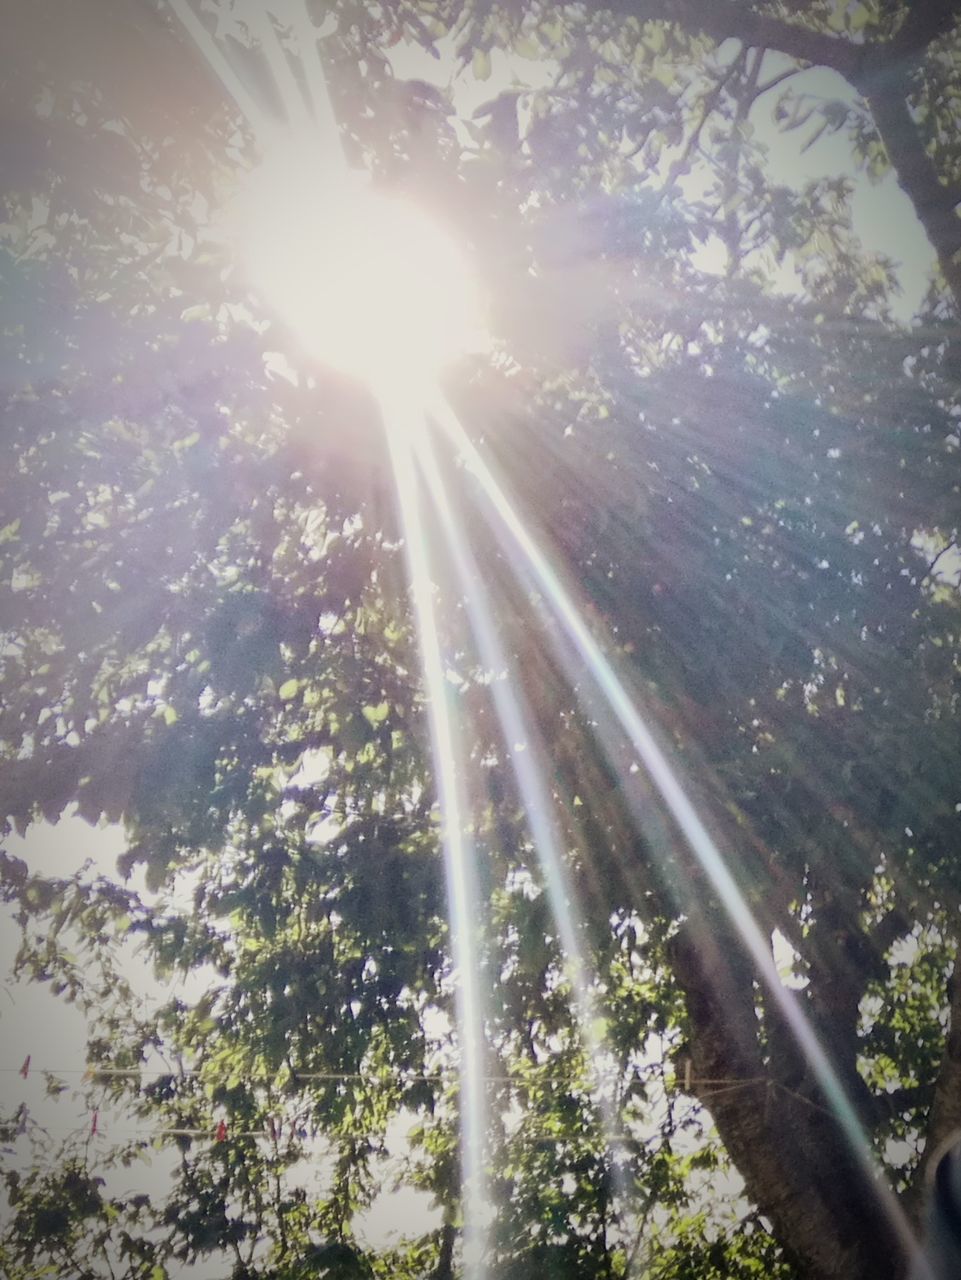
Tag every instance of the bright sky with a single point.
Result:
(883, 216)
(36, 1023)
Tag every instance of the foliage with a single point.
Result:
(207, 637)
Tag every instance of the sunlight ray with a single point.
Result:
(527, 765)
(218, 63)
(411, 415)
(684, 814)
(324, 116)
(463, 897)
(261, 21)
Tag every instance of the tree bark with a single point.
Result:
(795, 1162)
(727, 19)
(944, 1118)
(779, 1133)
(933, 201)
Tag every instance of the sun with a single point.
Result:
(369, 283)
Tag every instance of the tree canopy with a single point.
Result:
(742, 458)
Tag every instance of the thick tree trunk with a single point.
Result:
(794, 1159)
(944, 1118)
(782, 1138)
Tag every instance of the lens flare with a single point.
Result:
(212, 54)
(527, 765)
(368, 282)
(678, 804)
(374, 287)
(459, 856)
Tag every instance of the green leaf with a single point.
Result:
(375, 715)
(527, 47)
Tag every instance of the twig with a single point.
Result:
(951, 546)
(775, 81)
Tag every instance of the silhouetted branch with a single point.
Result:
(880, 70)
(725, 19)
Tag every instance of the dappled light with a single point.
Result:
(372, 288)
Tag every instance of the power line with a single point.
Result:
(94, 1072)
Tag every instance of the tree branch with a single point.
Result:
(952, 546)
(726, 19)
(708, 105)
(934, 203)
(926, 21)
(909, 1097)
(445, 1258)
(879, 70)
(894, 924)
(775, 81)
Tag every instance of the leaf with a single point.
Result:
(655, 37)
(527, 47)
(376, 715)
(481, 64)
(187, 541)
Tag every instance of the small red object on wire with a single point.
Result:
(25, 1069)
(221, 1131)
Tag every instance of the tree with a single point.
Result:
(208, 638)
